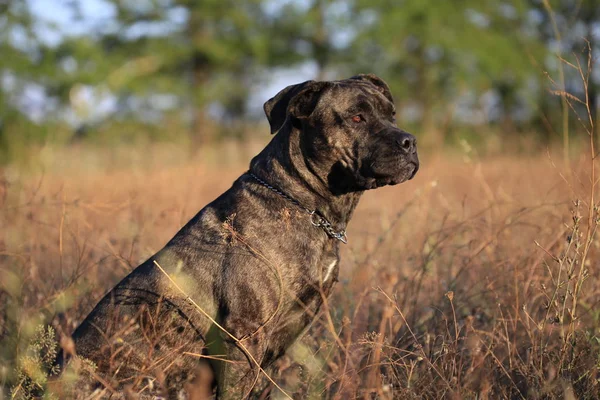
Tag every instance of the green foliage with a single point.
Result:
(435, 53)
(36, 364)
(150, 63)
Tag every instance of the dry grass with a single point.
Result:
(478, 279)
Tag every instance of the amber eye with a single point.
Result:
(357, 119)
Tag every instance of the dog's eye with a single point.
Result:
(357, 119)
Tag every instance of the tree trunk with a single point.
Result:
(200, 75)
(320, 41)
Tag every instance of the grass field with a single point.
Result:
(477, 279)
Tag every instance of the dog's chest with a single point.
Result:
(328, 269)
(328, 266)
(315, 274)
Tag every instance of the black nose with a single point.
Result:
(407, 142)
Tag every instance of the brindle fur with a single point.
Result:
(251, 259)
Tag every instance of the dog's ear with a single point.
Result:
(295, 100)
(276, 108)
(378, 82)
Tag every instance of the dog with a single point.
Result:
(241, 281)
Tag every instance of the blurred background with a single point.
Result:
(120, 119)
(474, 73)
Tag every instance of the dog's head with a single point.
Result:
(348, 131)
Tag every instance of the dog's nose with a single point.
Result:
(407, 142)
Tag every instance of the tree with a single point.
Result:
(434, 53)
(27, 70)
(200, 52)
(568, 27)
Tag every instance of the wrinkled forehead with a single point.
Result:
(350, 94)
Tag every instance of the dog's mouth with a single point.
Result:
(413, 168)
(375, 174)
(406, 173)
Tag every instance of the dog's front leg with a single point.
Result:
(238, 373)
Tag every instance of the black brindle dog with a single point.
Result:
(245, 277)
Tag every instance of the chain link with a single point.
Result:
(316, 218)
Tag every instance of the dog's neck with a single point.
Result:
(306, 182)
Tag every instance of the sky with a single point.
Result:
(58, 12)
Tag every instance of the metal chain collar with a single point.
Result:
(315, 217)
